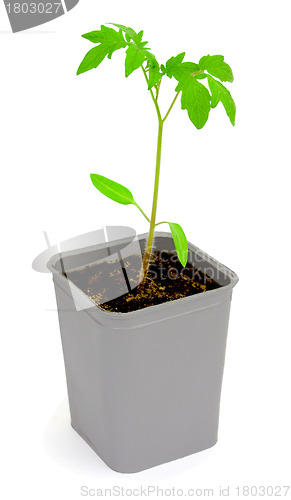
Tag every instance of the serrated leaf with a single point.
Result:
(196, 99)
(185, 69)
(216, 66)
(129, 31)
(92, 59)
(137, 51)
(112, 189)
(132, 35)
(173, 63)
(163, 69)
(219, 93)
(109, 41)
(107, 37)
(138, 38)
(207, 60)
(154, 73)
(135, 57)
(178, 69)
(180, 242)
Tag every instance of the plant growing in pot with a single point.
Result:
(144, 369)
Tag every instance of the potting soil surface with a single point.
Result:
(166, 280)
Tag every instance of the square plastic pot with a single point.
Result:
(144, 387)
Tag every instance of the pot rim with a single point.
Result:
(174, 306)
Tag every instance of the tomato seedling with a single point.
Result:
(196, 98)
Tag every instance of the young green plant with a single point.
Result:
(196, 98)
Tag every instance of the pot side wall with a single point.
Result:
(150, 393)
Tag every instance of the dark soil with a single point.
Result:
(166, 280)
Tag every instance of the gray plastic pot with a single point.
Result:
(144, 387)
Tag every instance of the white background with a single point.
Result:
(228, 187)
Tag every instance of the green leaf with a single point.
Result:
(196, 99)
(138, 39)
(173, 64)
(178, 69)
(185, 69)
(131, 34)
(216, 66)
(163, 69)
(154, 73)
(222, 94)
(135, 57)
(180, 242)
(107, 37)
(92, 59)
(109, 41)
(112, 190)
(137, 53)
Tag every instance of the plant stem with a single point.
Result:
(147, 254)
(162, 222)
(170, 108)
(152, 95)
(137, 206)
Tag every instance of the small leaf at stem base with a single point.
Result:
(180, 242)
